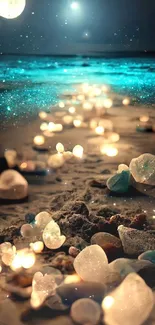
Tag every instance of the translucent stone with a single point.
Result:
(135, 241)
(52, 236)
(7, 253)
(148, 256)
(120, 182)
(26, 230)
(86, 311)
(125, 266)
(11, 157)
(37, 247)
(130, 303)
(42, 219)
(143, 169)
(92, 264)
(43, 286)
(122, 167)
(24, 258)
(56, 161)
(13, 186)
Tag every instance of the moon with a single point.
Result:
(11, 9)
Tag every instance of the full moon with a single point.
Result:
(11, 8)
(75, 5)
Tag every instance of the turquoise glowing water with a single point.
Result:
(30, 84)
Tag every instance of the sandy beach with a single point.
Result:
(79, 185)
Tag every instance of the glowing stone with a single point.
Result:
(39, 140)
(120, 182)
(68, 120)
(42, 219)
(72, 110)
(52, 236)
(132, 300)
(126, 101)
(60, 147)
(92, 264)
(108, 103)
(11, 157)
(52, 127)
(61, 105)
(78, 151)
(7, 253)
(44, 126)
(11, 8)
(87, 106)
(99, 130)
(43, 115)
(37, 247)
(28, 260)
(77, 123)
(43, 286)
(86, 311)
(26, 230)
(144, 118)
(13, 186)
(109, 150)
(122, 167)
(56, 161)
(143, 169)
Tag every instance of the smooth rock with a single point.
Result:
(125, 266)
(85, 311)
(109, 243)
(92, 264)
(73, 291)
(148, 255)
(131, 303)
(42, 219)
(135, 241)
(120, 182)
(143, 169)
(13, 186)
(52, 236)
(43, 286)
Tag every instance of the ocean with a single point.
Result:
(29, 84)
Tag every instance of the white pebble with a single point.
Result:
(130, 303)
(92, 264)
(52, 236)
(85, 311)
(42, 219)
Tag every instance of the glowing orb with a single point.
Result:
(11, 8)
(74, 5)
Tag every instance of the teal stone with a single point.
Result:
(148, 255)
(119, 183)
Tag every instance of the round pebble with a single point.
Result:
(148, 255)
(26, 230)
(73, 251)
(109, 243)
(42, 219)
(85, 311)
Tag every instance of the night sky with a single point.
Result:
(52, 26)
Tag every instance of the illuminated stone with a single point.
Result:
(109, 150)
(24, 258)
(126, 101)
(7, 253)
(87, 106)
(144, 118)
(77, 123)
(143, 169)
(108, 103)
(44, 127)
(136, 241)
(60, 147)
(132, 300)
(39, 140)
(43, 286)
(68, 120)
(13, 186)
(26, 230)
(86, 311)
(52, 236)
(99, 130)
(37, 247)
(43, 115)
(78, 151)
(72, 110)
(120, 182)
(122, 167)
(56, 161)
(11, 9)
(11, 157)
(42, 219)
(92, 264)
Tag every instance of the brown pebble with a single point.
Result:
(73, 251)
